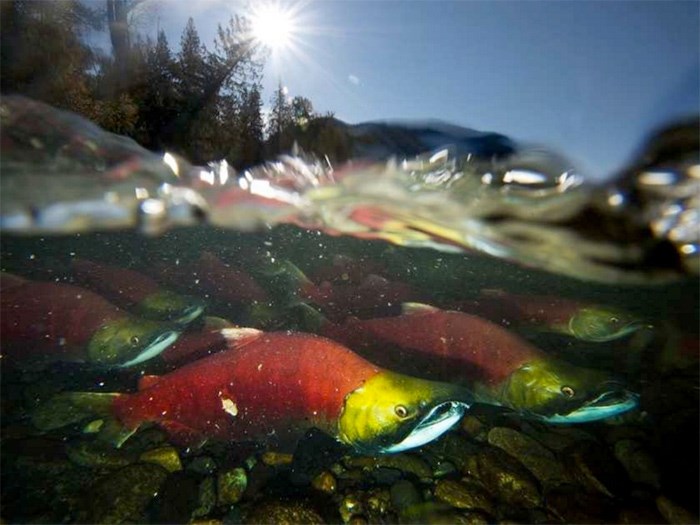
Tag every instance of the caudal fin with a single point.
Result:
(69, 408)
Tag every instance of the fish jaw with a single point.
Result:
(607, 405)
(393, 412)
(129, 341)
(435, 423)
(165, 305)
(558, 392)
(597, 324)
(154, 349)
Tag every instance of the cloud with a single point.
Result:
(353, 80)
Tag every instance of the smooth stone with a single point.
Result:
(406, 463)
(534, 456)
(230, 486)
(177, 499)
(325, 482)
(673, 513)
(202, 465)
(507, 478)
(464, 495)
(166, 457)
(206, 499)
(123, 495)
(404, 494)
(639, 464)
(283, 512)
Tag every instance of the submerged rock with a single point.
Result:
(673, 513)
(639, 464)
(406, 463)
(573, 505)
(325, 482)
(230, 486)
(177, 499)
(202, 465)
(465, 494)
(596, 469)
(166, 457)
(206, 498)
(535, 457)
(123, 495)
(509, 480)
(95, 454)
(283, 512)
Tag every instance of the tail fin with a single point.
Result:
(310, 319)
(70, 408)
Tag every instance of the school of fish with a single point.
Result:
(367, 362)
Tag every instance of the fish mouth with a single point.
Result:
(436, 422)
(159, 343)
(608, 404)
(190, 314)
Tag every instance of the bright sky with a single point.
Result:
(588, 79)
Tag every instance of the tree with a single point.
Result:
(303, 111)
(42, 54)
(280, 120)
(250, 128)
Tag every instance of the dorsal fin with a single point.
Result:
(147, 381)
(217, 323)
(417, 308)
(237, 337)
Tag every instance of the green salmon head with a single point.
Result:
(558, 392)
(129, 341)
(165, 305)
(392, 412)
(600, 324)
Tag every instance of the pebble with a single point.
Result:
(123, 495)
(277, 459)
(206, 499)
(166, 457)
(466, 494)
(640, 466)
(230, 486)
(507, 478)
(406, 463)
(673, 513)
(285, 512)
(535, 457)
(202, 465)
(325, 482)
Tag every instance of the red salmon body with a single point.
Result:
(121, 286)
(510, 309)
(437, 344)
(374, 296)
(210, 276)
(194, 345)
(54, 320)
(275, 386)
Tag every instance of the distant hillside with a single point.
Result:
(382, 140)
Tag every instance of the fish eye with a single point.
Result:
(134, 340)
(401, 411)
(567, 391)
(614, 320)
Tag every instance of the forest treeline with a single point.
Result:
(204, 103)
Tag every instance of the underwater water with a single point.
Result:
(447, 339)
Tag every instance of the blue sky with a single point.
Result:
(588, 79)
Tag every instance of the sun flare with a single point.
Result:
(273, 26)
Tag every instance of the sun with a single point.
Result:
(273, 26)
